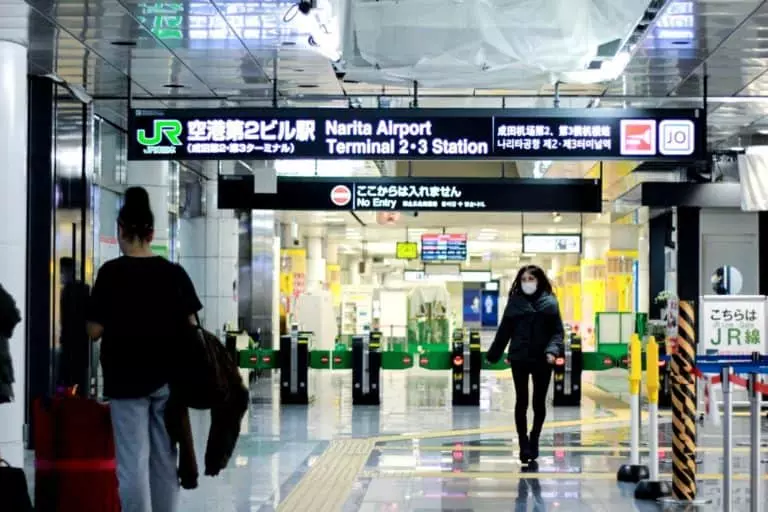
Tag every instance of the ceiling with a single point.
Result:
(217, 53)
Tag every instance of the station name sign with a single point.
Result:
(415, 134)
(413, 194)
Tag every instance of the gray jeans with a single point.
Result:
(146, 461)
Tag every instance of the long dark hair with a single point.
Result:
(543, 282)
(135, 217)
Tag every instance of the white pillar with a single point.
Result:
(595, 248)
(353, 266)
(331, 253)
(154, 177)
(221, 252)
(315, 263)
(625, 238)
(13, 231)
(643, 271)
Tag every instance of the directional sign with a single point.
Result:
(413, 134)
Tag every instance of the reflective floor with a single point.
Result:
(417, 453)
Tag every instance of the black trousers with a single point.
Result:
(541, 374)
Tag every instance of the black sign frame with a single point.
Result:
(236, 192)
(413, 134)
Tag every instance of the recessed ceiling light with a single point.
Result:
(307, 86)
(289, 43)
(298, 70)
(173, 86)
(123, 43)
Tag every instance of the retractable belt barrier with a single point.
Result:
(726, 370)
(366, 369)
(294, 368)
(567, 374)
(466, 369)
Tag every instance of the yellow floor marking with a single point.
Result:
(324, 488)
(498, 475)
(571, 449)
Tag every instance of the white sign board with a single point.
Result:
(733, 324)
(552, 244)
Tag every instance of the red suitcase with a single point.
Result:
(75, 466)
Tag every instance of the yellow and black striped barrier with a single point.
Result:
(684, 407)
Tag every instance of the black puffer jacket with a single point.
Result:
(532, 327)
(9, 317)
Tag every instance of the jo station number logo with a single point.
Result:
(639, 137)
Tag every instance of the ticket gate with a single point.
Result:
(466, 362)
(366, 369)
(294, 368)
(567, 373)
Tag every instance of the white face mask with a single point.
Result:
(529, 287)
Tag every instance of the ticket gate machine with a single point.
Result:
(366, 369)
(567, 373)
(466, 364)
(294, 368)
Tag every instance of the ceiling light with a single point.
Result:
(174, 86)
(556, 217)
(307, 86)
(123, 43)
(488, 230)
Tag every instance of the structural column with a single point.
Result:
(154, 177)
(221, 268)
(13, 232)
(315, 261)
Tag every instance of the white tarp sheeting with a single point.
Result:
(480, 43)
(753, 175)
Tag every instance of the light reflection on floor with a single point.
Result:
(475, 469)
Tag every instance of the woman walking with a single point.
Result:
(532, 327)
(139, 307)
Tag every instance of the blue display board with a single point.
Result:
(489, 316)
(472, 306)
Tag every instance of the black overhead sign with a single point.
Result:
(415, 134)
(414, 194)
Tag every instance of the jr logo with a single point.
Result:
(169, 129)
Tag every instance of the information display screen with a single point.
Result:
(407, 251)
(443, 247)
(411, 134)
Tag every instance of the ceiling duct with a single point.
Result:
(485, 43)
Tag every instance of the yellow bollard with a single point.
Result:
(652, 489)
(634, 472)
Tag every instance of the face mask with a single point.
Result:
(529, 287)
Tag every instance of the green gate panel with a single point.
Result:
(597, 361)
(434, 360)
(325, 359)
(259, 359)
(615, 350)
(396, 360)
(500, 365)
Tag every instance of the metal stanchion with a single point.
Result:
(755, 476)
(725, 375)
(634, 472)
(652, 489)
(684, 411)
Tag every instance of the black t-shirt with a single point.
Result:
(143, 304)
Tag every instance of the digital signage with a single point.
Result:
(407, 251)
(552, 244)
(443, 247)
(414, 134)
(394, 194)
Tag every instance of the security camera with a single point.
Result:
(306, 5)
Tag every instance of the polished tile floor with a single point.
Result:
(417, 453)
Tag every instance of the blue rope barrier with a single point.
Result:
(731, 358)
(738, 368)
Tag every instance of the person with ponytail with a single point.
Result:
(139, 305)
(533, 329)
